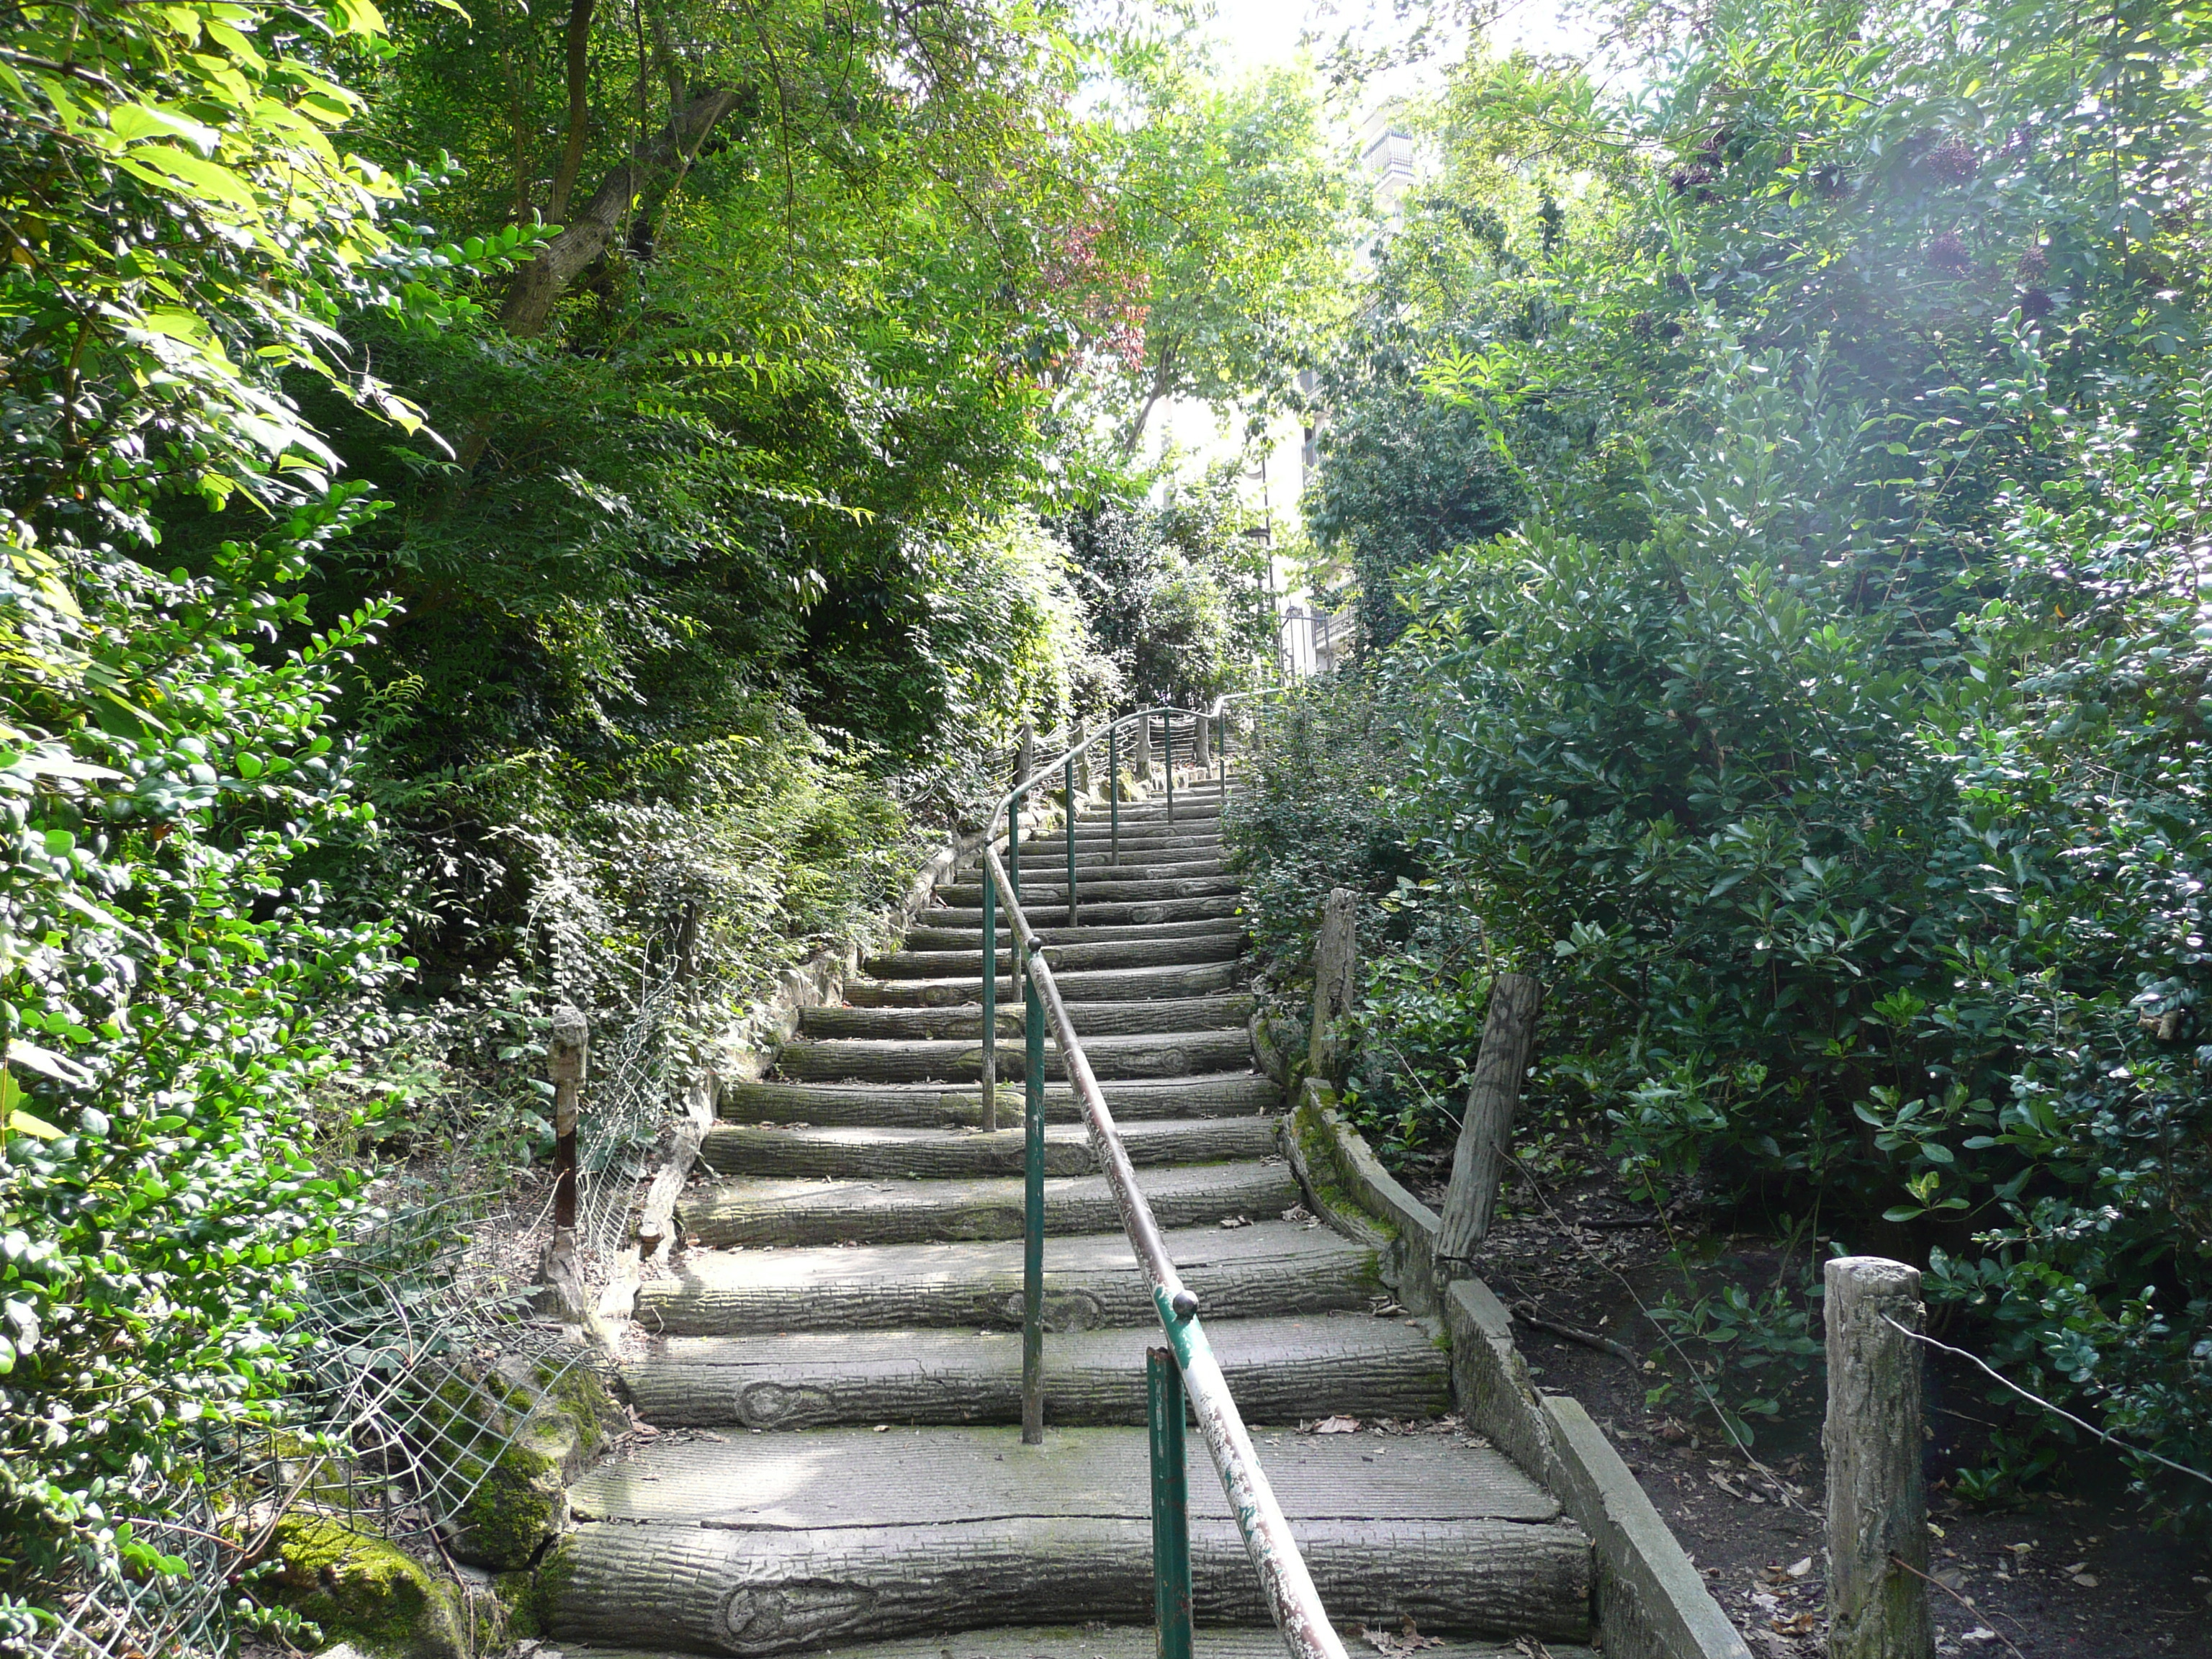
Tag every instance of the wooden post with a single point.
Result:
(566, 1062)
(1336, 966)
(1485, 1132)
(1200, 755)
(1082, 761)
(1142, 765)
(1877, 1506)
(1025, 756)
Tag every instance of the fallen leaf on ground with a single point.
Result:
(1382, 1641)
(1337, 1426)
(1236, 1221)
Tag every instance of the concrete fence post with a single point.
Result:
(1336, 979)
(567, 1064)
(1485, 1132)
(1877, 1505)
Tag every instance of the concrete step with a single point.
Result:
(1051, 858)
(772, 1543)
(1093, 1641)
(1090, 984)
(928, 935)
(1181, 1054)
(1048, 886)
(1175, 950)
(752, 1211)
(1270, 1267)
(949, 1106)
(1155, 1014)
(875, 1153)
(1160, 846)
(1281, 1371)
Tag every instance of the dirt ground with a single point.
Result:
(2075, 1570)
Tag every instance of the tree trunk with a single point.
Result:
(653, 167)
(1485, 1133)
(580, 108)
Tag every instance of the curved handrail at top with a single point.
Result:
(1046, 768)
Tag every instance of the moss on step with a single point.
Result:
(361, 1589)
(1318, 1144)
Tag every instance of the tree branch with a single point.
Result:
(653, 167)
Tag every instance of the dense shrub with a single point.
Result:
(1825, 734)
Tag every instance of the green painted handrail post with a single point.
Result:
(1033, 1215)
(1167, 743)
(1114, 788)
(1069, 785)
(990, 996)
(1170, 1506)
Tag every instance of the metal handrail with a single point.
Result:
(1289, 1590)
(1284, 1580)
(1065, 763)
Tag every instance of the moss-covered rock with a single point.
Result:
(552, 1423)
(362, 1590)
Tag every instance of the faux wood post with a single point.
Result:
(1025, 756)
(990, 997)
(566, 1062)
(1032, 1214)
(1166, 742)
(1083, 759)
(1071, 845)
(1172, 1614)
(1336, 965)
(1143, 764)
(1114, 791)
(1877, 1505)
(1485, 1132)
(1221, 749)
(1201, 756)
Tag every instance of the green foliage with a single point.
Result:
(182, 231)
(1175, 596)
(1747, 1353)
(1826, 730)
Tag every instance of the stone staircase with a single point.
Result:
(843, 1341)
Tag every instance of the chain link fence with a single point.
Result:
(422, 1366)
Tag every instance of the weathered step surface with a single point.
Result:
(1099, 985)
(931, 938)
(1281, 1371)
(1051, 866)
(1179, 1053)
(767, 1544)
(1150, 1017)
(1105, 913)
(1090, 1282)
(945, 1105)
(912, 1154)
(1093, 1641)
(752, 1211)
(1049, 887)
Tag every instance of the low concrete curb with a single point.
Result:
(1650, 1603)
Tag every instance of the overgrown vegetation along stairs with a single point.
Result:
(847, 1325)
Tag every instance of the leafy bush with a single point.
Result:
(1825, 735)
